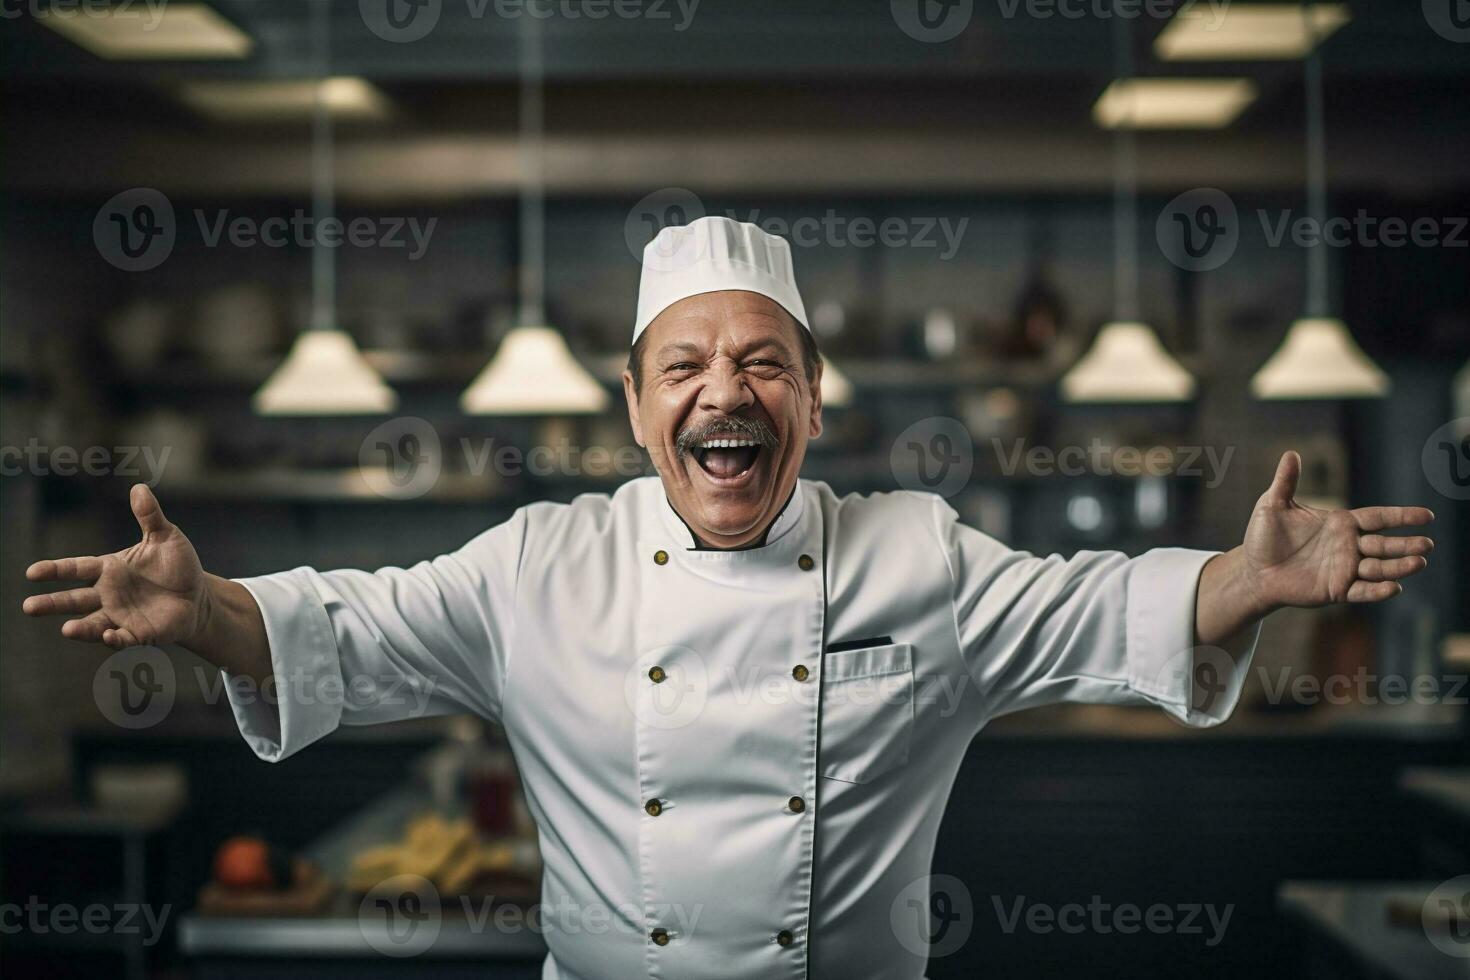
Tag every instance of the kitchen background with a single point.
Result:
(967, 212)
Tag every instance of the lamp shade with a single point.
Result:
(836, 389)
(1319, 359)
(1126, 363)
(324, 374)
(533, 373)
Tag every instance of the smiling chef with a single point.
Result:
(737, 700)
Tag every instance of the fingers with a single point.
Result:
(1361, 591)
(146, 509)
(1386, 570)
(88, 628)
(1378, 518)
(119, 638)
(1283, 485)
(72, 602)
(1385, 546)
(87, 569)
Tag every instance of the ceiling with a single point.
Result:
(665, 92)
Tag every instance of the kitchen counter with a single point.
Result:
(348, 929)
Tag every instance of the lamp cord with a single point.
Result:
(323, 259)
(533, 180)
(1316, 170)
(1125, 182)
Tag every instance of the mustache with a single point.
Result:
(689, 437)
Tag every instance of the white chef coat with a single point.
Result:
(737, 760)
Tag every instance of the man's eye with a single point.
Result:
(682, 366)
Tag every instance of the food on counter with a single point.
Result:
(249, 863)
(449, 853)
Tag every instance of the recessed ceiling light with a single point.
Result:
(1173, 103)
(276, 101)
(152, 31)
(1248, 32)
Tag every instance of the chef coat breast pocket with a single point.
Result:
(867, 711)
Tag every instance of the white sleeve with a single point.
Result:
(356, 648)
(1099, 628)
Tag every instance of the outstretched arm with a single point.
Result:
(1294, 555)
(156, 592)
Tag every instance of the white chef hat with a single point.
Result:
(715, 253)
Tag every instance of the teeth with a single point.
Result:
(727, 443)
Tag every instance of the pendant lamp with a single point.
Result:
(324, 373)
(1126, 362)
(533, 372)
(1318, 359)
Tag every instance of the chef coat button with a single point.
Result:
(800, 672)
(797, 804)
(657, 675)
(653, 808)
(660, 557)
(660, 937)
(785, 938)
(805, 563)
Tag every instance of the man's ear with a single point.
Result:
(630, 393)
(815, 429)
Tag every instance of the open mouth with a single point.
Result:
(727, 458)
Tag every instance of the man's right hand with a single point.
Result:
(153, 592)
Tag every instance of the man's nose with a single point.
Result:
(725, 390)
